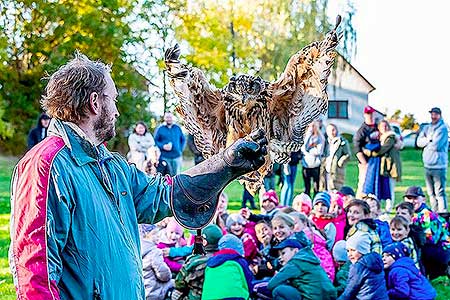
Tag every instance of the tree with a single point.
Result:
(396, 115)
(41, 35)
(408, 122)
(251, 36)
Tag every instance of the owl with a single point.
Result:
(283, 108)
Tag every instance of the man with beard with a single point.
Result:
(76, 206)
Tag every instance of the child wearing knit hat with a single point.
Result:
(404, 280)
(172, 236)
(269, 204)
(227, 274)
(302, 203)
(366, 276)
(322, 219)
(342, 266)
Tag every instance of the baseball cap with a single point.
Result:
(291, 243)
(397, 250)
(414, 191)
(346, 190)
(435, 110)
(369, 109)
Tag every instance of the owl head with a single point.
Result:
(245, 87)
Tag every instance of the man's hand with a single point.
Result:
(247, 154)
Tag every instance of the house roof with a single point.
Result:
(372, 88)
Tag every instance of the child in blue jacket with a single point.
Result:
(404, 279)
(366, 276)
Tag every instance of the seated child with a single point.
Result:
(227, 274)
(404, 280)
(156, 273)
(400, 230)
(302, 203)
(318, 241)
(269, 203)
(189, 281)
(301, 276)
(342, 266)
(264, 268)
(348, 195)
(366, 276)
(170, 237)
(340, 217)
(358, 216)
(282, 227)
(406, 210)
(382, 226)
(436, 251)
(322, 219)
(236, 225)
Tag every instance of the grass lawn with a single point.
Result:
(412, 175)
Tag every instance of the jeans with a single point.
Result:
(246, 196)
(308, 174)
(286, 292)
(287, 191)
(436, 180)
(175, 165)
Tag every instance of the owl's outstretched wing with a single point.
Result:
(299, 96)
(201, 104)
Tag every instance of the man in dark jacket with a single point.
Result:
(360, 140)
(39, 132)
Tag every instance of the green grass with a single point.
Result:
(413, 174)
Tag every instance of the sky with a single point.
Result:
(402, 50)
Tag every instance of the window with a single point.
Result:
(338, 109)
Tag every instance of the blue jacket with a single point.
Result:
(75, 210)
(406, 282)
(434, 140)
(366, 279)
(174, 135)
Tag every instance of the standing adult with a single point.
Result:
(139, 142)
(361, 139)
(335, 162)
(312, 151)
(171, 141)
(39, 132)
(390, 163)
(434, 141)
(76, 205)
(289, 172)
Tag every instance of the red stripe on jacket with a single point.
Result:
(29, 239)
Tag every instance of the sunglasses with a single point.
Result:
(411, 197)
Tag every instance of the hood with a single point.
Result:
(373, 262)
(306, 255)
(222, 256)
(147, 246)
(370, 223)
(405, 263)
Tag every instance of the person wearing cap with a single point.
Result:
(434, 141)
(342, 266)
(404, 280)
(269, 203)
(322, 219)
(436, 251)
(227, 274)
(39, 132)
(360, 140)
(301, 276)
(155, 272)
(189, 281)
(366, 276)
